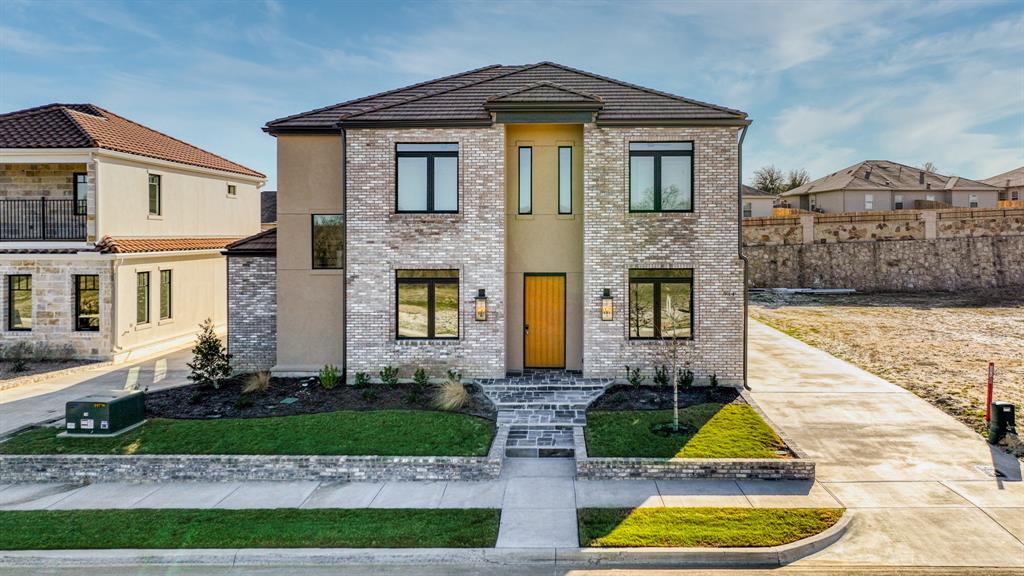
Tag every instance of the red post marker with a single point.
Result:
(988, 402)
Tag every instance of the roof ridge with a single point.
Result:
(384, 93)
(545, 83)
(81, 129)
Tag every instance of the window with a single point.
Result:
(897, 202)
(660, 304)
(748, 209)
(1015, 195)
(142, 298)
(154, 194)
(328, 241)
(661, 177)
(930, 197)
(525, 180)
(232, 190)
(81, 189)
(869, 201)
(87, 303)
(428, 177)
(428, 304)
(565, 179)
(165, 294)
(972, 200)
(814, 202)
(19, 302)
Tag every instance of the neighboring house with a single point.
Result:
(757, 203)
(883, 185)
(1010, 184)
(510, 217)
(268, 208)
(111, 232)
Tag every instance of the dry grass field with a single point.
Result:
(937, 345)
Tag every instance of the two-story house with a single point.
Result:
(507, 218)
(111, 232)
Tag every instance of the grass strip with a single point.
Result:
(355, 433)
(722, 431)
(701, 527)
(277, 528)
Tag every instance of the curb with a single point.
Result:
(773, 556)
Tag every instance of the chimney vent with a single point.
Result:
(920, 177)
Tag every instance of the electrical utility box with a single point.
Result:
(105, 414)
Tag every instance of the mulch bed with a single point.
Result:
(228, 401)
(623, 397)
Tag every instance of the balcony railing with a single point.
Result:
(42, 219)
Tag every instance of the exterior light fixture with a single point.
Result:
(481, 305)
(607, 310)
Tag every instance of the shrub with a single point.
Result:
(713, 382)
(210, 361)
(329, 376)
(362, 380)
(244, 401)
(634, 376)
(661, 377)
(258, 381)
(686, 379)
(420, 381)
(18, 354)
(452, 394)
(389, 376)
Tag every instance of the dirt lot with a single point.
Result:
(937, 345)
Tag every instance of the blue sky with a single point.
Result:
(826, 83)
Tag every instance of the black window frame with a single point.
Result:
(142, 291)
(658, 155)
(519, 180)
(159, 194)
(78, 302)
(170, 293)
(656, 296)
(81, 204)
(232, 190)
(312, 243)
(431, 283)
(430, 156)
(559, 195)
(10, 301)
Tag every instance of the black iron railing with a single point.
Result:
(42, 219)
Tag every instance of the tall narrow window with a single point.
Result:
(427, 177)
(165, 294)
(525, 180)
(328, 241)
(428, 304)
(869, 201)
(87, 303)
(814, 202)
(19, 302)
(660, 304)
(81, 189)
(661, 177)
(142, 298)
(565, 179)
(154, 194)
(748, 209)
(972, 200)
(897, 202)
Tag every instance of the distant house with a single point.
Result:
(757, 203)
(1010, 184)
(268, 208)
(884, 185)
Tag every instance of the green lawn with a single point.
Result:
(282, 528)
(701, 527)
(723, 431)
(381, 432)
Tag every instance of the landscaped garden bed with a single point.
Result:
(277, 528)
(701, 527)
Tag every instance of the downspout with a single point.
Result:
(739, 232)
(344, 263)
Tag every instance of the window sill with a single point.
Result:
(154, 217)
(566, 216)
(327, 271)
(426, 216)
(684, 215)
(525, 216)
(141, 327)
(413, 343)
(165, 322)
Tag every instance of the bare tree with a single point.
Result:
(676, 317)
(796, 179)
(929, 166)
(770, 179)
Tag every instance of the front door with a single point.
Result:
(544, 320)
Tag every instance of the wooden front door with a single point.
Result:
(544, 320)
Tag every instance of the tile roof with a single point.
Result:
(268, 206)
(44, 250)
(1009, 179)
(462, 98)
(110, 245)
(886, 175)
(751, 191)
(262, 244)
(89, 126)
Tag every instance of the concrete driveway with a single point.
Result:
(919, 483)
(33, 403)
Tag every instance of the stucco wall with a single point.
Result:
(760, 206)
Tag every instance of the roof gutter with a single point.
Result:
(743, 122)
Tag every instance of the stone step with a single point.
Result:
(540, 442)
(543, 417)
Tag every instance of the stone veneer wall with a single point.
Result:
(706, 240)
(38, 180)
(53, 294)
(381, 241)
(252, 312)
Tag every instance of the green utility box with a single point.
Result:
(105, 414)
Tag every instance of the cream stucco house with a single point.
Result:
(502, 219)
(111, 232)
(757, 203)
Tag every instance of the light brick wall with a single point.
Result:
(381, 241)
(706, 241)
(38, 180)
(252, 312)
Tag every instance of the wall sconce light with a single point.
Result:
(607, 309)
(481, 305)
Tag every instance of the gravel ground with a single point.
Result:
(937, 345)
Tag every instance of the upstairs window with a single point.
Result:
(154, 194)
(19, 302)
(660, 303)
(565, 179)
(81, 191)
(428, 177)
(897, 202)
(525, 180)
(87, 303)
(328, 241)
(142, 298)
(232, 190)
(428, 304)
(661, 177)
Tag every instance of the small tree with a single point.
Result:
(796, 179)
(770, 179)
(929, 166)
(210, 361)
(676, 316)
